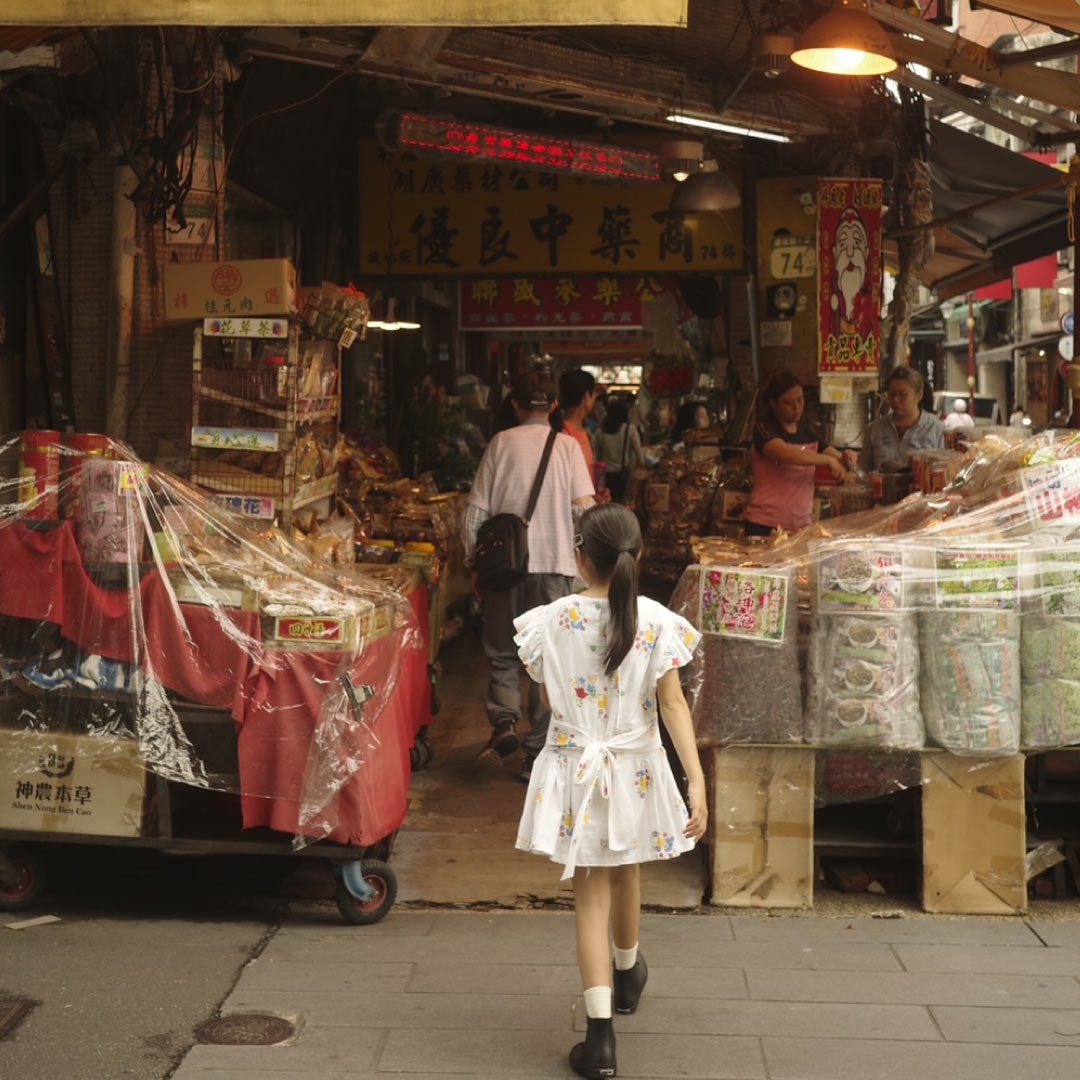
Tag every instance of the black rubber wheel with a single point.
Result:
(427, 749)
(363, 913)
(29, 881)
(416, 757)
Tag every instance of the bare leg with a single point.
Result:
(625, 905)
(592, 908)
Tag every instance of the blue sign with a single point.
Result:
(1067, 323)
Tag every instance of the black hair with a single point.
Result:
(611, 538)
(574, 384)
(617, 415)
(685, 417)
(780, 382)
(534, 392)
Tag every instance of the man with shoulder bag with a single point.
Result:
(518, 532)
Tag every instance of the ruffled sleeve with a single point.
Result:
(530, 641)
(675, 644)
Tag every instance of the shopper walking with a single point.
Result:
(602, 798)
(618, 445)
(503, 482)
(577, 395)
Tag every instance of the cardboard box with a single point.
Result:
(973, 835)
(239, 288)
(762, 825)
(71, 784)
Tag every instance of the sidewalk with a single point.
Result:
(435, 995)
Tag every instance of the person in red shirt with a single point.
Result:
(577, 395)
(784, 455)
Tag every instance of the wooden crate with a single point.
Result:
(762, 825)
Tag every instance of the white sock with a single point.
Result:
(625, 959)
(598, 1002)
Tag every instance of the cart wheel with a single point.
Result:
(427, 749)
(382, 880)
(28, 883)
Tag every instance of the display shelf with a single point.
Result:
(241, 384)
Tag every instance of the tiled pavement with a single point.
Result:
(440, 995)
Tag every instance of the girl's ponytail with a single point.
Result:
(611, 538)
(622, 603)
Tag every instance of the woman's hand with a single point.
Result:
(699, 811)
(836, 467)
(850, 458)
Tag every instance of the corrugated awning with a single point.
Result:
(345, 13)
(1008, 223)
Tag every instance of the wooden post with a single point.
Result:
(971, 353)
(121, 303)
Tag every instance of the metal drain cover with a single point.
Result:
(251, 1029)
(12, 1013)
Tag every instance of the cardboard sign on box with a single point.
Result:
(973, 835)
(71, 784)
(241, 288)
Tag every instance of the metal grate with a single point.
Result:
(252, 1029)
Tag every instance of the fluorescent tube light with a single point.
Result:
(731, 129)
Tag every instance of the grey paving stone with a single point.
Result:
(550, 979)
(326, 1050)
(698, 1057)
(327, 924)
(476, 1012)
(691, 1017)
(917, 988)
(921, 931)
(1039, 1027)
(1057, 934)
(454, 1052)
(1005, 959)
(269, 973)
(853, 1059)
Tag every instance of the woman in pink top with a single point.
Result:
(784, 455)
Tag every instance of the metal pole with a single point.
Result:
(971, 353)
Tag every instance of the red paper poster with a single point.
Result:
(849, 278)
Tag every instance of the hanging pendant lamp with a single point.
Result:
(845, 41)
(704, 192)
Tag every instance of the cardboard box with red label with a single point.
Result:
(239, 288)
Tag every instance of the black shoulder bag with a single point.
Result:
(501, 558)
(617, 481)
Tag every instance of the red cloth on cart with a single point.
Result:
(277, 702)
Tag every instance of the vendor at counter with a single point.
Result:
(890, 439)
(784, 455)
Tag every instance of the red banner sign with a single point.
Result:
(558, 303)
(849, 277)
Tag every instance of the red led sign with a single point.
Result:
(478, 142)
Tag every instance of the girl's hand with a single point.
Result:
(699, 811)
(836, 467)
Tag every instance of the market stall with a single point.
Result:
(142, 623)
(925, 646)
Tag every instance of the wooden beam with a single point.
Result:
(955, 100)
(410, 48)
(948, 53)
(1046, 52)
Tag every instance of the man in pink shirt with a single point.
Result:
(503, 482)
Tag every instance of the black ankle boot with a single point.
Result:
(627, 986)
(595, 1057)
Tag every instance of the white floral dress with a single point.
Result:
(602, 792)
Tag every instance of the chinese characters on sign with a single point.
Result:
(849, 283)
(422, 217)
(256, 506)
(744, 603)
(558, 303)
(249, 327)
(978, 579)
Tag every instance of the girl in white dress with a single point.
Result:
(602, 798)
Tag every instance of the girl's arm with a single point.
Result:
(849, 457)
(676, 714)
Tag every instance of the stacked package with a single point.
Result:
(1050, 652)
(863, 661)
(743, 684)
(970, 639)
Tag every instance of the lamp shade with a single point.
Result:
(705, 191)
(845, 41)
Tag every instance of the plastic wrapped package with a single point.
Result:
(863, 663)
(748, 616)
(1050, 650)
(161, 629)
